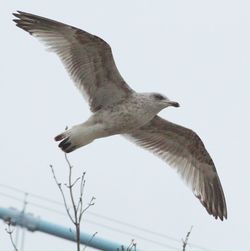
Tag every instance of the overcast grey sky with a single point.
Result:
(196, 53)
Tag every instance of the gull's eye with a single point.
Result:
(158, 96)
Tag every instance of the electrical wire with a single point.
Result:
(99, 224)
(164, 236)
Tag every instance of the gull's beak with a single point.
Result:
(173, 103)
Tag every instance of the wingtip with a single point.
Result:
(17, 13)
(224, 216)
(17, 18)
(21, 14)
(219, 213)
(219, 216)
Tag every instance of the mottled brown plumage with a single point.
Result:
(117, 109)
(183, 149)
(87, 58)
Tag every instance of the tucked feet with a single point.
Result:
(68, 141)
(77, 136)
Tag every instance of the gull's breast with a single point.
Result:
(125, 117)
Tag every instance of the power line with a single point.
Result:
(134, 235)
(168, 237)
(31, 194)
(147, 231)
(101, 225)
(32, 223)
(97, 223)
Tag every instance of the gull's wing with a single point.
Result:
(87, 58)
(183, 149)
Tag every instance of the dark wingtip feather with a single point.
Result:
(220, 212)
(22, 21)
(17, 14)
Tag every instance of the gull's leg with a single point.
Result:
(78, 136)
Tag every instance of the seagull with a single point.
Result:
(118, 109)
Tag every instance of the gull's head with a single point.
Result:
(162, 101)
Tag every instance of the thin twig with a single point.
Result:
(78, 210)
(70, 186)
(132, 246)
(90, 240)
(185, 242)
(10, 232)
(91, 203)
(62, 193)
(76, 219)
(73, 184)
(82, 186)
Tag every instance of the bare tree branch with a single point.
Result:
(89, 241)
(185, 242)
(76, 219)
(131, 247)
(78, 210)
(62, 193)
(91, 203)
(10, 231)
(82, 186)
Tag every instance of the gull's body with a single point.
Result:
(117, 109)
(126, 116)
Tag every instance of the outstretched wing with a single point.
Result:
(183, 149)
(87, 58)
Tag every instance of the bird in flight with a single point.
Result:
(118, 109)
